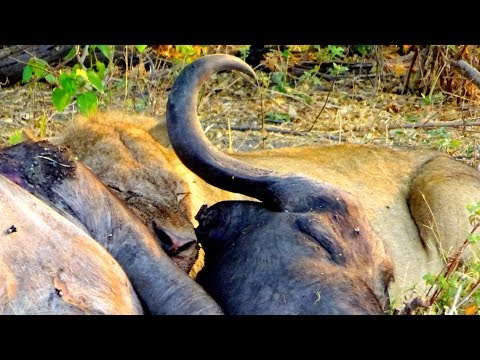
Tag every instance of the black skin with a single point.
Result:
(307, 248)
(262, 262)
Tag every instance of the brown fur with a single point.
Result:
(48, 265)
(131, 155)
(125, 157)
(388, 183)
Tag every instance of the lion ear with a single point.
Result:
(159, 133)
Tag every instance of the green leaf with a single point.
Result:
(95, 80)
(473, 239)
(335, 51)
(141, 48)
(443, 283)
(244, 51)
(39, 67)
(362, 49)
(105, 49)
(71, 54)
(80, 81)
(337, 69)
(278, 77)
(185, 50)
(429, 279)
(27, 74)
(100, 69)
(61, 98)
(411, 118)
(68, 82)
(286, 53)
(87, 103)
(273, 116)
(473, 208)
(15, 138)
(455, 144)
(51, 78)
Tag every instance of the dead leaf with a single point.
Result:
(393, 108)
(471, 310)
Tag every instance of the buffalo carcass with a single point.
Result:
(48, 265)
(49, 173)
(306, 249)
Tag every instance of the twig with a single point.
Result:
(460, 52)
(291, 97)
(272, 129)
(469, 295)
(453, 309)
(452, 123)
(409, 74)
(81, 58)
(324, 105)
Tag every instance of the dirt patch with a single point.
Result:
(240, 116)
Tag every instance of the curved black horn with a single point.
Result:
(278, 191)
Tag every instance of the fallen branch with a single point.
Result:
(274, 130)
(468, 71)
(453, 123)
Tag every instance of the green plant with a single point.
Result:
(244, 52)
(276, 117)
(36, 69)
(186, 53)
(42, 124)
(362, 49)
(335, 52)
(337, 69)
(78, 83)
(310, 77)
(329, 54)
(411, 118)
(433, 99)
(279, 79)
(286, 53)
(455, 289)
(15, 138)
(442, 140)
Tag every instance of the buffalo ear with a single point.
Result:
(313, 228)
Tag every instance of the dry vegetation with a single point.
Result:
(404, 95)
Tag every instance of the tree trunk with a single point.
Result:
(13, 59)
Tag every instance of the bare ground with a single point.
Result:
(348, 111)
